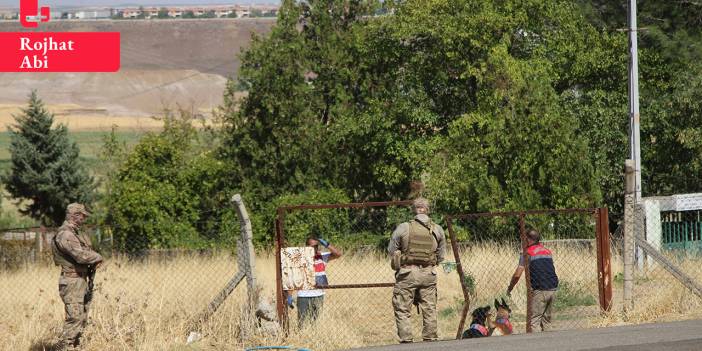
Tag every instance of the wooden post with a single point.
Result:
(629, 224)
(604, 265)
(38, 244)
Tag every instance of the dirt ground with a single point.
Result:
(164, 64)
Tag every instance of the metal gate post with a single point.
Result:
(281, 299)
(527, 275)
(461, 276)
(630, 221)
(604, 264)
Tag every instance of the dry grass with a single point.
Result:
(78, 118)
(147, 305)
(658, 297)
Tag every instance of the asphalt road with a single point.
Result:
(675, 336)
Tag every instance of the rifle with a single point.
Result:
(91, 285)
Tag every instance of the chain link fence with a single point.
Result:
(488, 247)
(152, 299)
(356, 307)
(662, 279)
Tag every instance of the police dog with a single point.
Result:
(479, 325)
(501, 325)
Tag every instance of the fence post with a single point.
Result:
(629, 224)
(38, 238)
(527, 275)
(247, 249)
(461, 276)
(604, 268)
(244, 252)
(280, 298)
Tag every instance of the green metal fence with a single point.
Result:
(682, 235)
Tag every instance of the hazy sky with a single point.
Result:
(15, 3)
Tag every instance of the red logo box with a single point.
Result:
(60, 52)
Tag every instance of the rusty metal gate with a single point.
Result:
(357, 307)
(487, 246)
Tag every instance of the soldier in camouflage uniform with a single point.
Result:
(74, 253)
(417, 247)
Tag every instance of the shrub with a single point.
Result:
(570, 295)
(331, 224)
(168, 193)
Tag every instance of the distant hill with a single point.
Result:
(208, 46)
(15, 3)
(163, 63)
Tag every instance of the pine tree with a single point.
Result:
(45, 172)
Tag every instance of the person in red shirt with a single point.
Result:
(543, 279)
(310, 302)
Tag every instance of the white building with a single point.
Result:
(175, 13)
(131, 13)
(241, 13)
(94, 14)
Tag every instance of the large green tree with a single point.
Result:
(493, 74)
(46, 172)
(301, 80)
(494, 105)
(338, 98)
(669, 66)
(168, 192)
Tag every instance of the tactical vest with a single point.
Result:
(63, 259)
(420, 248)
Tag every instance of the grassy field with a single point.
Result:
(86, 127)
(147, 305)
(89, 142)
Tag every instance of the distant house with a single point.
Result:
(95, 14)
(131, 13)
(223, 12)
(6, 15)
(243, 12)
(199, 11)
(151, 12)
(175, 12)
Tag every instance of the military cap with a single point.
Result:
(76, 208)
(420, 202)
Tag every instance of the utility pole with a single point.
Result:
(629, 233)
(634, 130)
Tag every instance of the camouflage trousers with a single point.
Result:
(415, 284)
(72, 292)
(541, 306)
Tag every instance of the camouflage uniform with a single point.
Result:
(74, 253)
(416, 278)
